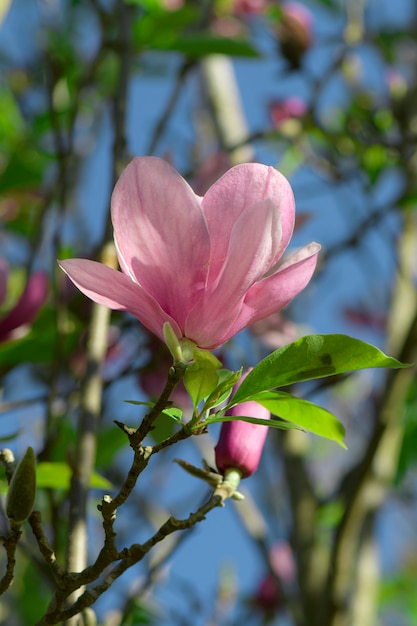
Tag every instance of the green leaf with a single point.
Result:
(38, 346)
(314, 356)
(272, 423)
(227, 381)
(109, 442)
(58, 476)
(292, 413)
(201, 377)
(172, 412)
(204, 44)
(5, 438)
(303, 414)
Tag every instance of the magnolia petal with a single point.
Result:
(251, 250)
(252, 247)
(241, 443)
(117, 291)
(272, 294)
(161, 234)
(243, 186)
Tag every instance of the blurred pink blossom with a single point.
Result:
(14, 323)
(290, 108)
(269, 595)
(249, 7)
(241, 443)
(275, 331)
(363, 316)
(209, 266)
(173, 5)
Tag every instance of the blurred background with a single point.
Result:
(325, 91)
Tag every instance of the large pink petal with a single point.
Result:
(241, 187)
(161, 234)
(252, 247)
(274, 292)
(117, 291)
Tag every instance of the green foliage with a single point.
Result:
(175, 32)
(303, 414)
(35, 589)
(292, 413)
(397, 593)
(172, 412)
(311, 357)
(109, 442)
(315, 356)
(58, 476)
(227, 380)
(201, 377)
(201, 45)
(38, 345)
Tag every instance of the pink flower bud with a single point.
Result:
(295, 32)
(241, 443)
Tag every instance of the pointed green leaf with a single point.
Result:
(314, 356)
(203, 44)
(303, 414)
(171, 411)
(174, 413)
(272, 423)
(227, 381)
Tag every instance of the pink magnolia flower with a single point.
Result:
(209, 266)
(241, 443)
(28, 305)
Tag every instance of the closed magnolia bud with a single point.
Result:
(241, 443)
(22, 489)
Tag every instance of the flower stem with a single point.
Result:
(175, 375)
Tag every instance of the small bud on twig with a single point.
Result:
(22, 489)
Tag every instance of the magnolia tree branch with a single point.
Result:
(369, 482)
(165, 117)
(128, 557)
(10, 546)
(85, 452)
(311, 565)
(71, 580)
(11, 540)
(226, 105)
